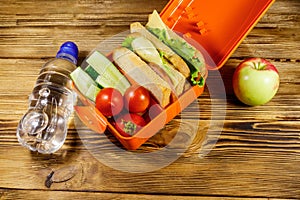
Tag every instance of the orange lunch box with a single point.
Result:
(215, 27)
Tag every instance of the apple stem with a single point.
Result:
(259, 65)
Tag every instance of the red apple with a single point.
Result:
(255, 81)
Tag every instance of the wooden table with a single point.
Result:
(257, 154)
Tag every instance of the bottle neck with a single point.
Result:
(68, 57)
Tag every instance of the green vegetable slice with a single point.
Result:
(92, 92)
(84, 83)
(91, 72)
(109, 75)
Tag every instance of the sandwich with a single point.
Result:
(166, 52)
(141, 73)
(160, 60)
(189, 53)
(147, 51)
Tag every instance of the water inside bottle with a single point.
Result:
(44, 127)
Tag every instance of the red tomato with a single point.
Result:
(136, 99)
(130, 123)
(109, 101)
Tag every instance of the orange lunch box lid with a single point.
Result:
(218, 26)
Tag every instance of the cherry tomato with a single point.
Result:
(129, 123)
(136, 99)
(109, 101)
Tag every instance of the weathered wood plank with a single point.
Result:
(258, 173)
(48, 30)
(29, 195)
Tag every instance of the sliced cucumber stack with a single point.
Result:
(105, 73)
(85, 84)
(100, 73)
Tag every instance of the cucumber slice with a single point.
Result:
(91, 72)
(101, 64)
(84, 82)
(92, 92)
(108, 74)
(105, 82)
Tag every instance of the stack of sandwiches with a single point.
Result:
(160, 60)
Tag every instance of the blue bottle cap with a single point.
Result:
(69, 51)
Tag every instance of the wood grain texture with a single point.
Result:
(253, 153)
(19, 194)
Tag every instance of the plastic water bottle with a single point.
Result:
(44, 127)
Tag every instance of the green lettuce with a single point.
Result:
(127, 43)
(186, 51)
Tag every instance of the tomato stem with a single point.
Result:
(129, 127)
